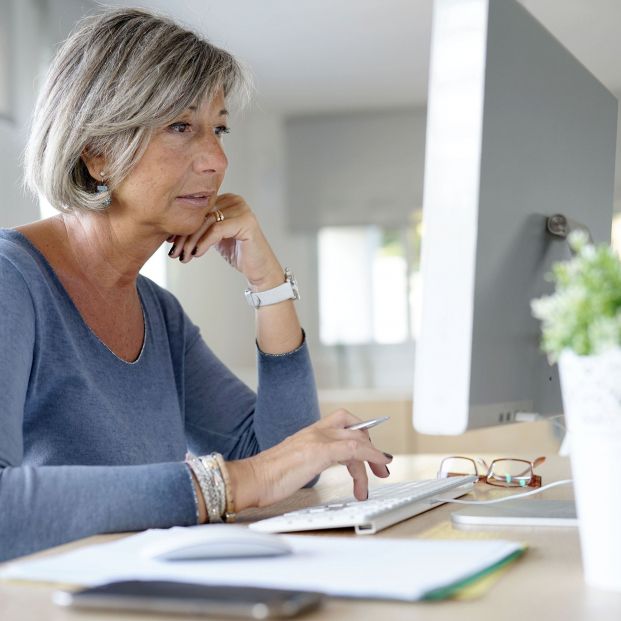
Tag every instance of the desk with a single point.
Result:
(545, 584)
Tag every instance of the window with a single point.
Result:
(369, 286)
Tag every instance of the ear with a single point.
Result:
(96, 164)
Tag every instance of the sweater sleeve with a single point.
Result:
(42, 506)
(224, 415)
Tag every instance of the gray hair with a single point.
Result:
(119, 75)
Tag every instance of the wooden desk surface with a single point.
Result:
(546, 583)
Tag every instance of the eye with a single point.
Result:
(221, 130)
(179, 128)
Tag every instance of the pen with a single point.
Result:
(367, 424)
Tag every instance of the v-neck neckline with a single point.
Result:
(65, 294)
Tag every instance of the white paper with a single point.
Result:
(402, 569)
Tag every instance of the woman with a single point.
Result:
(116, 415)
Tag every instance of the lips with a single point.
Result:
(198, 195)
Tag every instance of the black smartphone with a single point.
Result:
(183, 597)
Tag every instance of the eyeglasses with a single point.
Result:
(504, 472)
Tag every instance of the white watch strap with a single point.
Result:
(287, 291)
(271, 296)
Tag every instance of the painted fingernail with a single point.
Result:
(193, 251)
(388, 455)
(171, 251)
(388, 471)
(181, 256)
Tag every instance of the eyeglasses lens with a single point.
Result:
(510, 473)
(456, 466)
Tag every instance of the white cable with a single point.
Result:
(506, 498)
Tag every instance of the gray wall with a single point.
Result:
(355, 168)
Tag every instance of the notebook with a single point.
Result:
(377, 568)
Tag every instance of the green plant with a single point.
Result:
(584, 313)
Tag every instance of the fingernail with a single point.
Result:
(193, 251)
(367, 498)
(388, 471)
(181, 256)
(171, 251)
(388, 455)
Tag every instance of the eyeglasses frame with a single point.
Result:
(534, 479)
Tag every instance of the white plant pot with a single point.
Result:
(591, 388)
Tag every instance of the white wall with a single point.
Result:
(26, 55)
(37, 26)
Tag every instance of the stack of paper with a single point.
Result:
(379, 568)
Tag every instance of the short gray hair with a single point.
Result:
(119, 75)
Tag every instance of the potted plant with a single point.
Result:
(581, 326)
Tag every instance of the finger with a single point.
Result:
(379, 470)
(346, 450)
(361, 482)
(230, 205)
(177, 248)
(198, 244)
(189, 246)
(350, 434)
(230, 228)
(227, 199)
(362, 435)
(339, 419)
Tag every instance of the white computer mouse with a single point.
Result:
(215, 541)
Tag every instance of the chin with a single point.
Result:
(187, 224)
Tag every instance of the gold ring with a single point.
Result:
(219, 215)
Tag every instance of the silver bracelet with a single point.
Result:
(219, 491)
(205, 478)
(229, 513)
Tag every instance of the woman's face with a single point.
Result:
(176, 182)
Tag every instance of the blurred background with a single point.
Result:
(330, 155)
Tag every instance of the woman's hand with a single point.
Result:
(278, 472)
(238, 238)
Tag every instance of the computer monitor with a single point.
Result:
(517, 130)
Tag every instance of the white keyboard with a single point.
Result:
(386, 506)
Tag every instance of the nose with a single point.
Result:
(211, 157)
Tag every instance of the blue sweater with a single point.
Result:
(90, 443)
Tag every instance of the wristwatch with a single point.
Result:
(287, 291)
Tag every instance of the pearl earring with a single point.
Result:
(102, 188)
